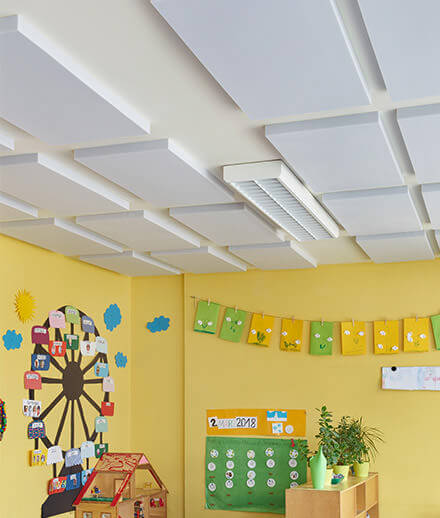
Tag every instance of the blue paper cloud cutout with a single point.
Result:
(120, 360)
(158, 324)
(12, 340)
(112, 317)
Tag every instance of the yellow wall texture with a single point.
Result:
(54, 281)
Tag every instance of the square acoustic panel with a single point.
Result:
(374, 211)
(130, 263)
(156, 171)
(394, 248)
(275, 256)
(202, 260)
(141, 230)
(47, 183)
(59, 236)
(420, 126)
(12, 209)
(431, 196)
(406, 41)
(45, 93)
(274, 58)
(338, 153)
(227, 224)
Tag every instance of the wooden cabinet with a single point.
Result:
(355, 498)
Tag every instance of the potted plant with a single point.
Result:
(328, 440)
(347, 438)
(367, 438)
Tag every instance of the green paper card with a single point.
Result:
(72, 341)
(321, 338)
(233, 325)
(435, 322)
(72, 315)
(206, 317)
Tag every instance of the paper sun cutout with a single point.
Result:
(24, 305)
(12, 340)
(158, 324)
(120, 360)
(112, 317)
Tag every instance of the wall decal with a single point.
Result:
(158, 324)
(120, 360)
(112, 317)
(12, 340)
(24, 305)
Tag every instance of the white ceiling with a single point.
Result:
(132, 121)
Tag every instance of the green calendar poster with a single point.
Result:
(244, 474)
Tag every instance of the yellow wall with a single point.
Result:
(54, 281)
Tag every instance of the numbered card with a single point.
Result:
(233, 324)
(37, 457)
(36, 430)
(321, 338)
(107, 408)
(101, 345)
(57, 348)
(108, 384)
(87, 324)
(73, 457)
(72, 315)
(72, 341)
(87, 348)
(87, 450)
(416, 334)
(291, 337)
(57, 485)
(85, 474)
(261, 329)
(32, 380)
(206, 317)
(73, 481)
(54, 455)
(386, 337)
(31, 408)
(40, 335)
(353, 338)
(40, 362)
(100, 449)
(101, 424)
(57, 320)
(101, 369)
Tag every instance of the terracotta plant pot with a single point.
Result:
(361, 469)
(342, 470)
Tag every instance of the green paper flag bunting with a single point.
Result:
(321, 338)
(233, 324)
(435, 322)
(206, 317)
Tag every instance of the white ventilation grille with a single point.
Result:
(275, 191)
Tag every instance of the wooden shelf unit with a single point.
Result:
(354, 498)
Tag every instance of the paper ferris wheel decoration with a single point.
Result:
(72, 365)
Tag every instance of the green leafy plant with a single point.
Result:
(327, 436)
(367, 439)
(347, 438)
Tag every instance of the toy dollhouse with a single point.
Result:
(114, 491)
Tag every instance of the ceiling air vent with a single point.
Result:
(277, 193)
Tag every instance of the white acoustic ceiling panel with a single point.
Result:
(44, 92)
(394, 248)
(12, 209)
(227, 224)
(59, 236)
(338, 153)
(275, 256)
(130, 263)
(277, 193)
(156, 171)
(273, 58)
(406, 41)
(6, 143)
(47, 183)
(374, 211)
(141, 230)
(431, 195)
(202, 260)
(420, 126)
(335, 251)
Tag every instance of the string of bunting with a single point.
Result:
(386, 336)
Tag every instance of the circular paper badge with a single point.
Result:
(250, 454)
(251, 474)
(293, 475)
(250, 482)
(294, 484)
(293, 454)
(289, 429)
(292, 463)
(212, 486)
(214, 454)
(270, 463)
(229, 484)
(251, 464)
(230, 464)
(211, 466)
(230, 454)
(229, 474)
(270, 482)
(269, 452)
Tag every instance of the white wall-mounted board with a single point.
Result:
(47, 183)
(13, 209)
(157, 171)
(130, 263)
(227, 224)
(374, 211)
(395, 248)
(59, 236)
(275, 256)
(44, 92)
(420, 126)
(141, 230)
(202, 260)
(406, 41)
(273, 58)
(338, 153)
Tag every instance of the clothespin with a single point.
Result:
(292, 443)
(352, 322)
(262, 314)
(236, 309)
(322, 322)
(209, 301)
(417, 318)
(293, 319)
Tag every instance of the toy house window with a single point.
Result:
(87, 515)
(106, 515)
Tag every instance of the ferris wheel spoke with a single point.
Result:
(62, 421)
(72, 424)
(80, 357)
(56, 364)
(90, 400)
(51, 380)
(83, 419)
(93, 380)
(91, 364)
(52, 405)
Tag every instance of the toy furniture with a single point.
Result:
(112, 491)
(355, 498)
